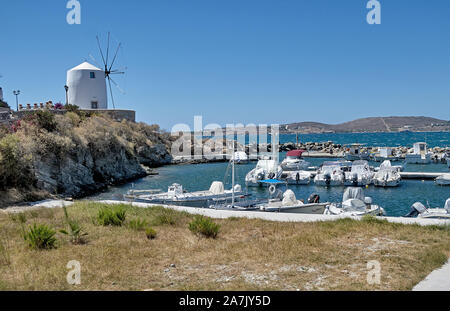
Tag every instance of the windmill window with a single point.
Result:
(92, 74)
(94, 105)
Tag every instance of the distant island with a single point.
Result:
(366, 125)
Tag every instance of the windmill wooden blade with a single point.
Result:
(107, 51)
(118, 87)
(101, 52)
(115, 56)
(110, 90)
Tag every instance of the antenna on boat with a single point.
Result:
(108, 67)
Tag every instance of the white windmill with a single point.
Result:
(87, 84)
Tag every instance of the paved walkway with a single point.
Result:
(438, 280)
(283, 217)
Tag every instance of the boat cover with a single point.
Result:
(217, 187)
(419, 207)
(295, 153)
(353, 193)
(289, 198)
(386, 165)
(237, 188)
(447, 206)
(354, 205)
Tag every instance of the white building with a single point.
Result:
(87, 87)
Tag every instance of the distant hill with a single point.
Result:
(377, 124)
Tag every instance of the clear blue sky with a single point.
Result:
(240, 60)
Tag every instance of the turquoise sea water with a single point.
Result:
(396, 201)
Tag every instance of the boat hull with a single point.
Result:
(316, 208)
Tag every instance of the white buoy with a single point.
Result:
(87, 87)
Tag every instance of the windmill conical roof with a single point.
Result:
(85, 66)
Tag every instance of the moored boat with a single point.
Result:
(387, 176)
(360, 174)
(330, 174)
(420, 154)
(443, 180)
(177, 196)
(294, 161)
(420, 211)
(290, 204)
(354, 203)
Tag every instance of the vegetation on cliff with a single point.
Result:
(74, 154)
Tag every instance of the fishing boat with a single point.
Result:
(294, 161)
(330, 174)
(420, 154)
(385, 153)
(290, 204)
(447, 158)
(387, 176)
(296, 177)
(420, 211)
(443, 180)
(360, 174)
(354, 152)
(176, 195)
(354, 203)
(265, 169)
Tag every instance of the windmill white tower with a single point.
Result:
(88, 84)
(87, 87)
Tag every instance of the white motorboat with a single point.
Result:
(265, 169)
(443, 180)
(354, 152)
(385, 153)
(420, 211)
(387, 176)
(354, 204)
(290, 204)
(360, 174)
(294, 161)
(330, 174)
(296, 177)
(240, 157)
(420, 155)
(177, 196)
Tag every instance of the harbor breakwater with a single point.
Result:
(327, 149)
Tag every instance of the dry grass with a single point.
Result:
(247, 254)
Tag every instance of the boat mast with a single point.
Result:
(232, 177)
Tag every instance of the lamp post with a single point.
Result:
(67, 97)
(17, 93)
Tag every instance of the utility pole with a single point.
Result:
(17, 93)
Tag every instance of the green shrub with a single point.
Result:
(19, 217)
(40, 237)
(138, 224)
(150, 233)
(46, 120)
(111, 216)
(75, 232)
(15, 164)
(204, 226)
(71, 108)
(166, 217)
